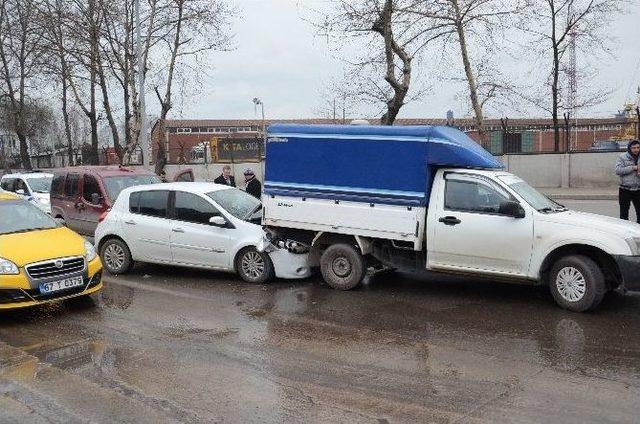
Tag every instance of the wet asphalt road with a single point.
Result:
(164, 344)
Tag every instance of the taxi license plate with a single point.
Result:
(55, 286)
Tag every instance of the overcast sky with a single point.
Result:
(280, 59)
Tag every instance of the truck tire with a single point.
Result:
(342, 266)
(116, 256)
(254, 266)
(577, 283)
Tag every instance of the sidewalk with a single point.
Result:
(602, 193)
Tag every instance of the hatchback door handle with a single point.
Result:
(130, 222)
(449, 220)
(177, 230)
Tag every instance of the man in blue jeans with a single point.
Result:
(627, 170)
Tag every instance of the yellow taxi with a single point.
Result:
(40, 260)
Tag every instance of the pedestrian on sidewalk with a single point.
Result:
(253, 186)
(226, 178)
(627, 170)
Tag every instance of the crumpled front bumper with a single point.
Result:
(287, 264)
(630, 269)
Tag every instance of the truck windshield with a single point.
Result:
(532, 196)
(40, 185)
(21, 216)
(115, 185)
(236, 202)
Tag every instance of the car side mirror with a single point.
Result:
(218, 221)
(96, 198)
(512, 209)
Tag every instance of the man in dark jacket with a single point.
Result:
(253, 186)
(226, 178)
(627, 170)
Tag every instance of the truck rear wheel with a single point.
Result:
(577, 283)
(342, 266)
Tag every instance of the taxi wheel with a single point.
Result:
(116, 256)
(254, 266)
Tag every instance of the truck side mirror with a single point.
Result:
(512, 209)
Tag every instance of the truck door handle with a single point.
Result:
(177, 230)
(449, 220)
(130, 222)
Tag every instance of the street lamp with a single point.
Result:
(257, 102)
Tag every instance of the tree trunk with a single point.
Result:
(165, 103)
(554, 83)
(473, 88)
(65, 115)
(383, 27)
(24, 152)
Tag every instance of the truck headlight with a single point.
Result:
(8, 268)
(91, 251)
(634, 245)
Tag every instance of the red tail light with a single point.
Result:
(103, 215)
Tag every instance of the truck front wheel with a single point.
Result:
(342, 266)
(577, 283)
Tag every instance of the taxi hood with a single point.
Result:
(41, 245)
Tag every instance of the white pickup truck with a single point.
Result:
(352, 193)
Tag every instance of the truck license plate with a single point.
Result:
(55, 286)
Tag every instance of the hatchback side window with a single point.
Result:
(71, 185)
(192, 208)
(57, 186)
(134, 202)
(90, 187)
(472, 196)
(153, 203)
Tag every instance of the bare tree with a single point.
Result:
(553, 24)
(391, 36)
(20, 66)
(192, 28)
(463, 22)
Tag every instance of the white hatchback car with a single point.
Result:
(33, 186)
(201, 225)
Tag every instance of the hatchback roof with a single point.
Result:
(193, 187)
(105, 171)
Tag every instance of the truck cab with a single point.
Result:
(447, 207)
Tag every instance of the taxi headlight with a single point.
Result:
(91, 251)
(7, 267)
(634, 245)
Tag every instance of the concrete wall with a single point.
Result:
(551, 170)
(576, 170)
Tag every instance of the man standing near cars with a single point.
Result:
(627, 170)
(253, 186)
(226, 178)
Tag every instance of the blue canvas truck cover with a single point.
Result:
(365, 163)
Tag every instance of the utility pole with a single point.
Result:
(263, 146)
(143, 140)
